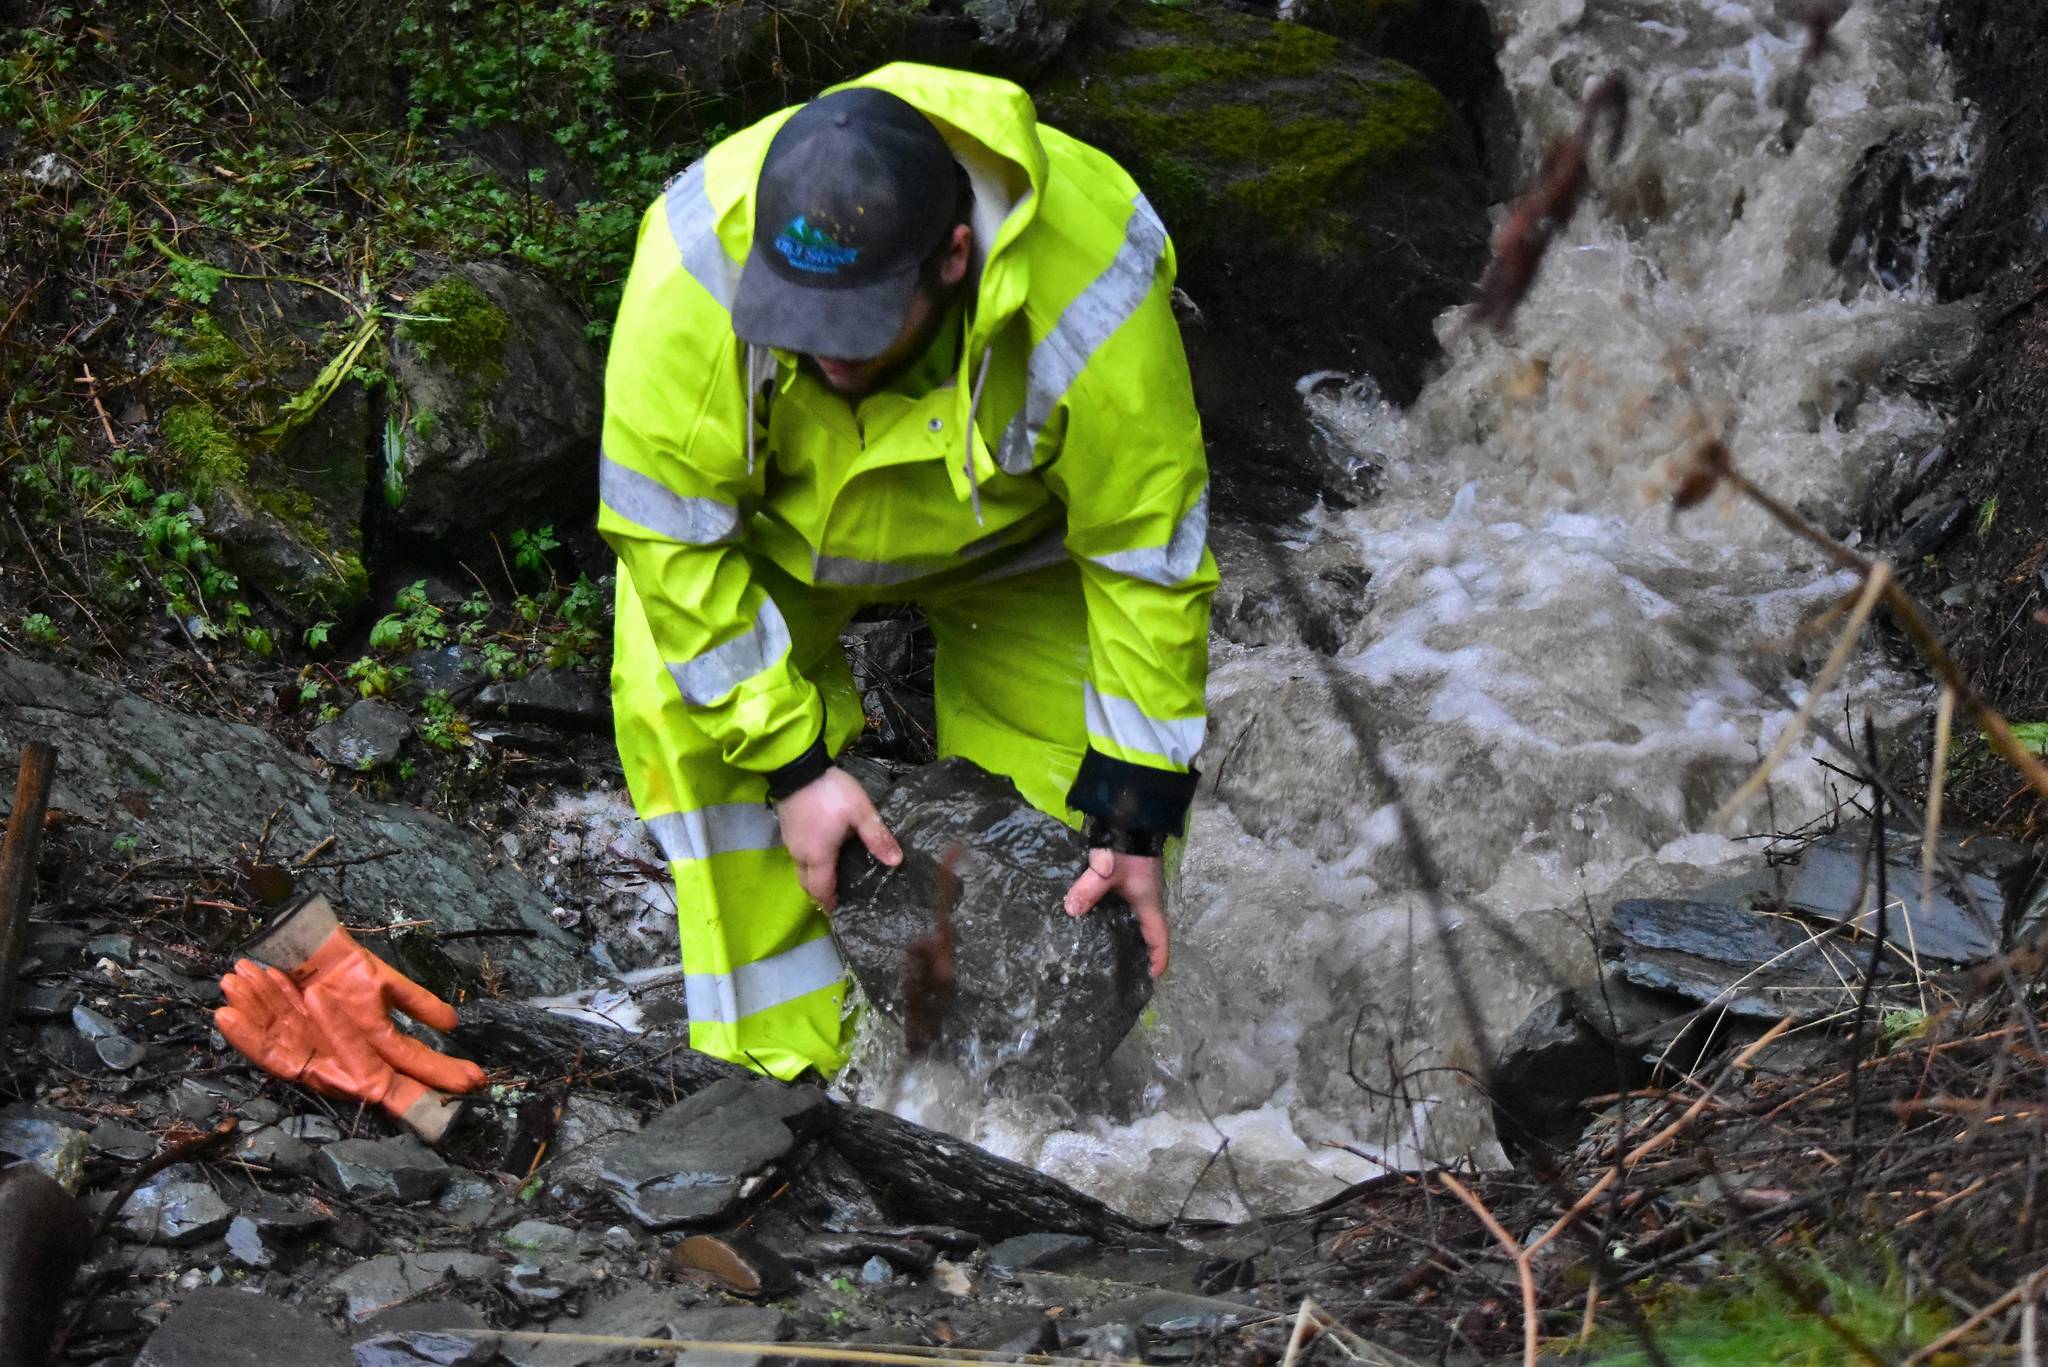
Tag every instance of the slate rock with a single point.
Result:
(457, 671)
(1744, 962)
(366, 736)
(218, 1328)
(1041, 998)
(1039, 1252)
(39, 1002)
(691, 1162)
(424, 1336)
(1555, 1059)
(92, 1024)
(211, 782)
(115, 1140)
(377, 1284)
(56, 1150)
(119, 1052)
(539, 1236)
(312, 1129)
(1831, 871)
(653, 1312)
(402, 1169)
(561, 698)
(119, 948)
(246, 1246)
(272, 1148)
(176, 1212)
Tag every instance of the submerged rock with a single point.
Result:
(1041, 998)
(691, 1164)
(215, 1328)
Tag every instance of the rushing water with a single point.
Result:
(1524, 680)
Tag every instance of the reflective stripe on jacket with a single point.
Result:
(1069, 428)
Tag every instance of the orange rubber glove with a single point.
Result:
(335, 972)
(305, 1040)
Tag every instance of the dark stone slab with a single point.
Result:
(561, 698)
(1831, 873)
(690, 1163)
(215, 1328)
(1744, 962)
(401, 1169)
(1041, 998)
(175, 1208)
(425, 1336)
(378, 1284)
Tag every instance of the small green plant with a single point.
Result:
(414, 623)
(374, 678)
(442, 726)
(530, 549)
(316, 635)
(38, 627)
(126, 845)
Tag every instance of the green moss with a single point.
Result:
(1182, 50)
(460, 327)
(206, 353)
(206, 452)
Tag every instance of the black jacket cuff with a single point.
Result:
(799, 772)
(1133, 797)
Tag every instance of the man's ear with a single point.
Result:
(959, 252)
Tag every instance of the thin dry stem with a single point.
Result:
(1523, 1271)
(1873, 586)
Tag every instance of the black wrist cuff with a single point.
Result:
(1132, 797)
(799, 772)
(1103, 836)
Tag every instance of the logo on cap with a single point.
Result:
(813, 249)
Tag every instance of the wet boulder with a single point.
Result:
(500, 410)
(366, 736)
(1040, 998)
(1747, 963)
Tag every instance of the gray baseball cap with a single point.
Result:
(857, 189)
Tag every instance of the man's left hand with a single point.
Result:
(1140, 880)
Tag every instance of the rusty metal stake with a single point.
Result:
(18, 864)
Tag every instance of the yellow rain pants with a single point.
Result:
(764, 983)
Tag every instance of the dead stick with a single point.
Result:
(1523, 1271)
(18, 863)
(2026, 1290)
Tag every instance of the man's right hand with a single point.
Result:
(817, 818)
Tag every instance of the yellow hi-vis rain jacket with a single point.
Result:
(733, 483)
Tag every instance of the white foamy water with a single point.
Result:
(1523, 681)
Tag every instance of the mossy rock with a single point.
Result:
(1327, 205)
(285, 506)
(495, 416)
(1449, 41)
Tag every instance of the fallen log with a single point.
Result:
(919, 1174)
(18, 863)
